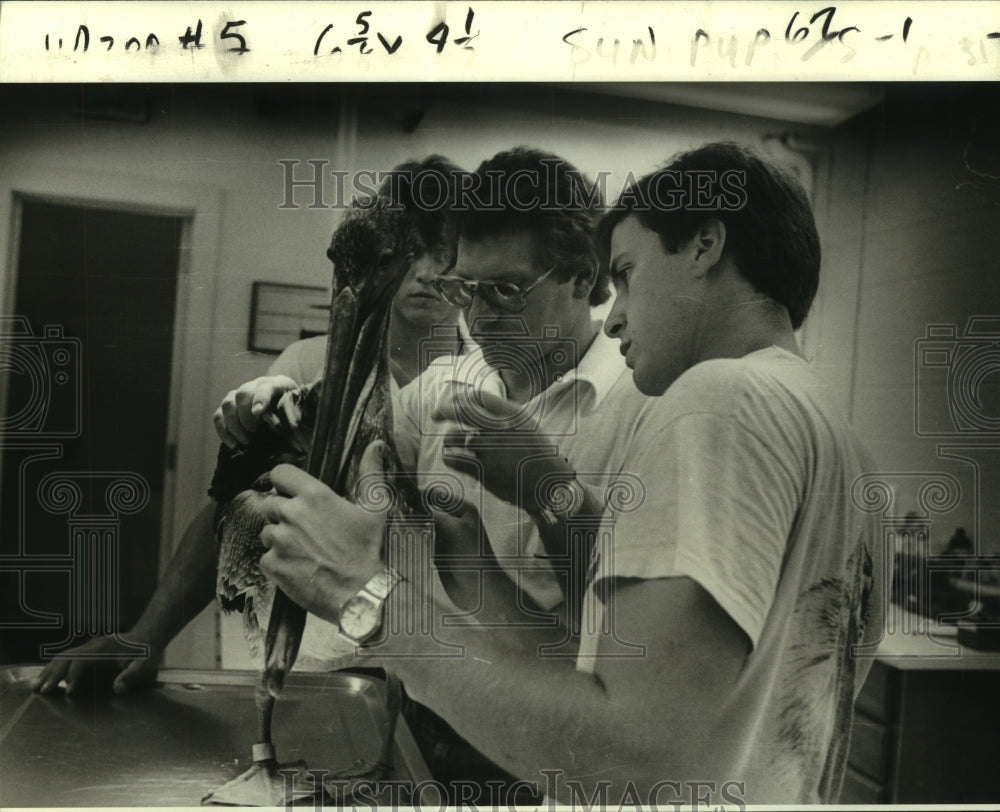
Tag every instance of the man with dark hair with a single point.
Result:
(756, 465)
(526, 274)
(770, 231)
(746, 580)
(533, 192)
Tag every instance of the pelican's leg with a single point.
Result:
(263, 750)
(266, 783)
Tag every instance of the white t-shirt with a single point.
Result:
(748, 471)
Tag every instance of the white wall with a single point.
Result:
(926, 254)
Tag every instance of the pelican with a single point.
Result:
(325, 428)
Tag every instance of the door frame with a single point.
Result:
(200, 208)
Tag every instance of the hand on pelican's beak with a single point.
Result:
(495, 443)
(244, 409)
(321, 548)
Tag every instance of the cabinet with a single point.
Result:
(926, 728)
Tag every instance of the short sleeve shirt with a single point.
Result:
(748, 474)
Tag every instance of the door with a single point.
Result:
(96, 288)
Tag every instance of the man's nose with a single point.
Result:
(480, 307)
(425, 269)
(615, 322)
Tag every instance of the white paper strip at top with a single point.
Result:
(496, 40)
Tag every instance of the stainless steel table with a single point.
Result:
(171, 744)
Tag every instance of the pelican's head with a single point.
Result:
(371, 251)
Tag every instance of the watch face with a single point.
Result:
(360, 618)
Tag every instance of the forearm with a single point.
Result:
(494, 600)
(477, 583)
(187, 585)
(526, 713)
(567, 534)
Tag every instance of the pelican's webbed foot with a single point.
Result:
(267, 783)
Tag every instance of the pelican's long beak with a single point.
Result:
(327, 447)
(350, 375)
(354, 354)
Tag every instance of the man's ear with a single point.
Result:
(707, 246)
(583, 284)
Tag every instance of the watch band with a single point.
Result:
(382, 583)
(369, 601)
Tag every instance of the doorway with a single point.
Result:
(104, 282)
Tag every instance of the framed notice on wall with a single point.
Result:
(281, 314)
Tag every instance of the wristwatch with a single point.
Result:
(361, 614)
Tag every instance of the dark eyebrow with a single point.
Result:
(615, 267)
(521, 280)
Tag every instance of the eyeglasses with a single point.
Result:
(459, 291)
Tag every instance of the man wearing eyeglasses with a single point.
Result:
(526, 275)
